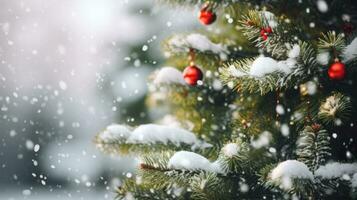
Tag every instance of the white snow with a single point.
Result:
(230, 149)
(280, 109)
(311, 87)
(169, 75)
(153, 133)
(196, 41)
(263, 65)
(62, 85)
(322, 6)
(288, 170)
(285, 130)
(236, 72)
(350, 51)
(323, 58)
(36, 148)
(336, 170)
(262, 141)
(354, 181)
(186, 160)
(115, 132)
(294, 52)
(270, 18)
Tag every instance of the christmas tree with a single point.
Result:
(260, 104)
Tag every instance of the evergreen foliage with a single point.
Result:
(268, 120)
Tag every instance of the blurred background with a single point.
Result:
(69, 68)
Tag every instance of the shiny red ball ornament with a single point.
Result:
(268, 29)
(265, 32)
(207, 17)
(192, 74)
(337, 71)
(265, 37)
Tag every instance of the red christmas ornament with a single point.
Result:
(265, 37)
(337, 71)
(206, 16)
(265, 32)
(262, 32)
(268, 30)
(192, 74)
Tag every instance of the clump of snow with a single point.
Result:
(322, 6)
(153, 133)
(185, 160)
(115, 132)
(286, 171)
(350, 51)
(168, 75)
(230, 149)
(270, 19)
(311, 87)
(265, 65)
(336, 170)
(323, 58)
(262, 141)
(294, 52)
(236, 72)
(172, 121)
(198, 42)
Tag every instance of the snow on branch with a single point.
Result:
(198, 42)
(150, 134)
(350, 52)
(168, 75)
(263, 66)
(336, 170)
(285, 172)
(185, 160)
(115, 132)
(269, 18)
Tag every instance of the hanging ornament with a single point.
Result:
(206, 15)
(192, 74)
(337, 71)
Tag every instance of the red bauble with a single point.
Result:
(268, 29)
(265, 37)
(207, 17)
(337, 71)
(265, 32)
(192, 74)
(262, 32)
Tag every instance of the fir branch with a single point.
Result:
(313, 146)
(120, 147)
(307, 66)
(335, 109)
(234, 162)
(331, 42)
(232, 74)
(254, 24)
(206, 186)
